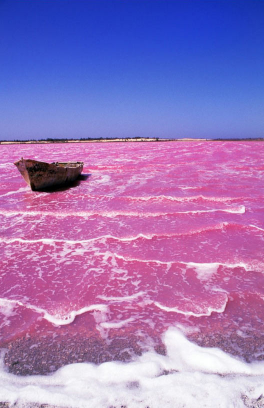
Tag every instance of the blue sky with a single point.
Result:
(125, 68)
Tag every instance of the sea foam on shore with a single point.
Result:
(188, 375)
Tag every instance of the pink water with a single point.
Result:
(157, 235)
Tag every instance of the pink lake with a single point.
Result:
(158, 245)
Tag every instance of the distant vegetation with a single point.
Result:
(127, 139)
(82, 139)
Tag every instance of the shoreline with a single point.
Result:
(249, 400)
(125, 140)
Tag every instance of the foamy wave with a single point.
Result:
(121, 298)
(116, 325)
(57, 319)
(203, 359)
(190, 188)
(206, 270)
(5, 165)
(235, 210)
(6, 308)
(20, 190)
(69, 318)
(208, 312)
(68, 241)
(112, 214)
(200, 267)
(182, 199)
(238, 210)
(255, 226)
(131, 259)
(50, 241)
(217, 380)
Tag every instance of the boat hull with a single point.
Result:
(40, 175)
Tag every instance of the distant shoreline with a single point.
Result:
(125, 140)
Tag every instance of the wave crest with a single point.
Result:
(56, 319)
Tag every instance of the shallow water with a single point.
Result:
(140, 268)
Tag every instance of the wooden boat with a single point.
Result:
(41, 175)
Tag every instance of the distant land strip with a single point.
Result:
(127, 139)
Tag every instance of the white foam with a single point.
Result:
(187, 376)
(238, 210)
(190, 357)
(116, 325)
(199, 267)
(189, 188)
(235, 210)
(68, 241)
(20, 190)
(182, 199)
(131, 259)
(258, 228)
(112, 214)
(59, 319)
(122, 298)
(208, 312)
(102, 238)
(206, 270)
(33, 241)
(6, 308)
(103, 179)
(109, 236)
